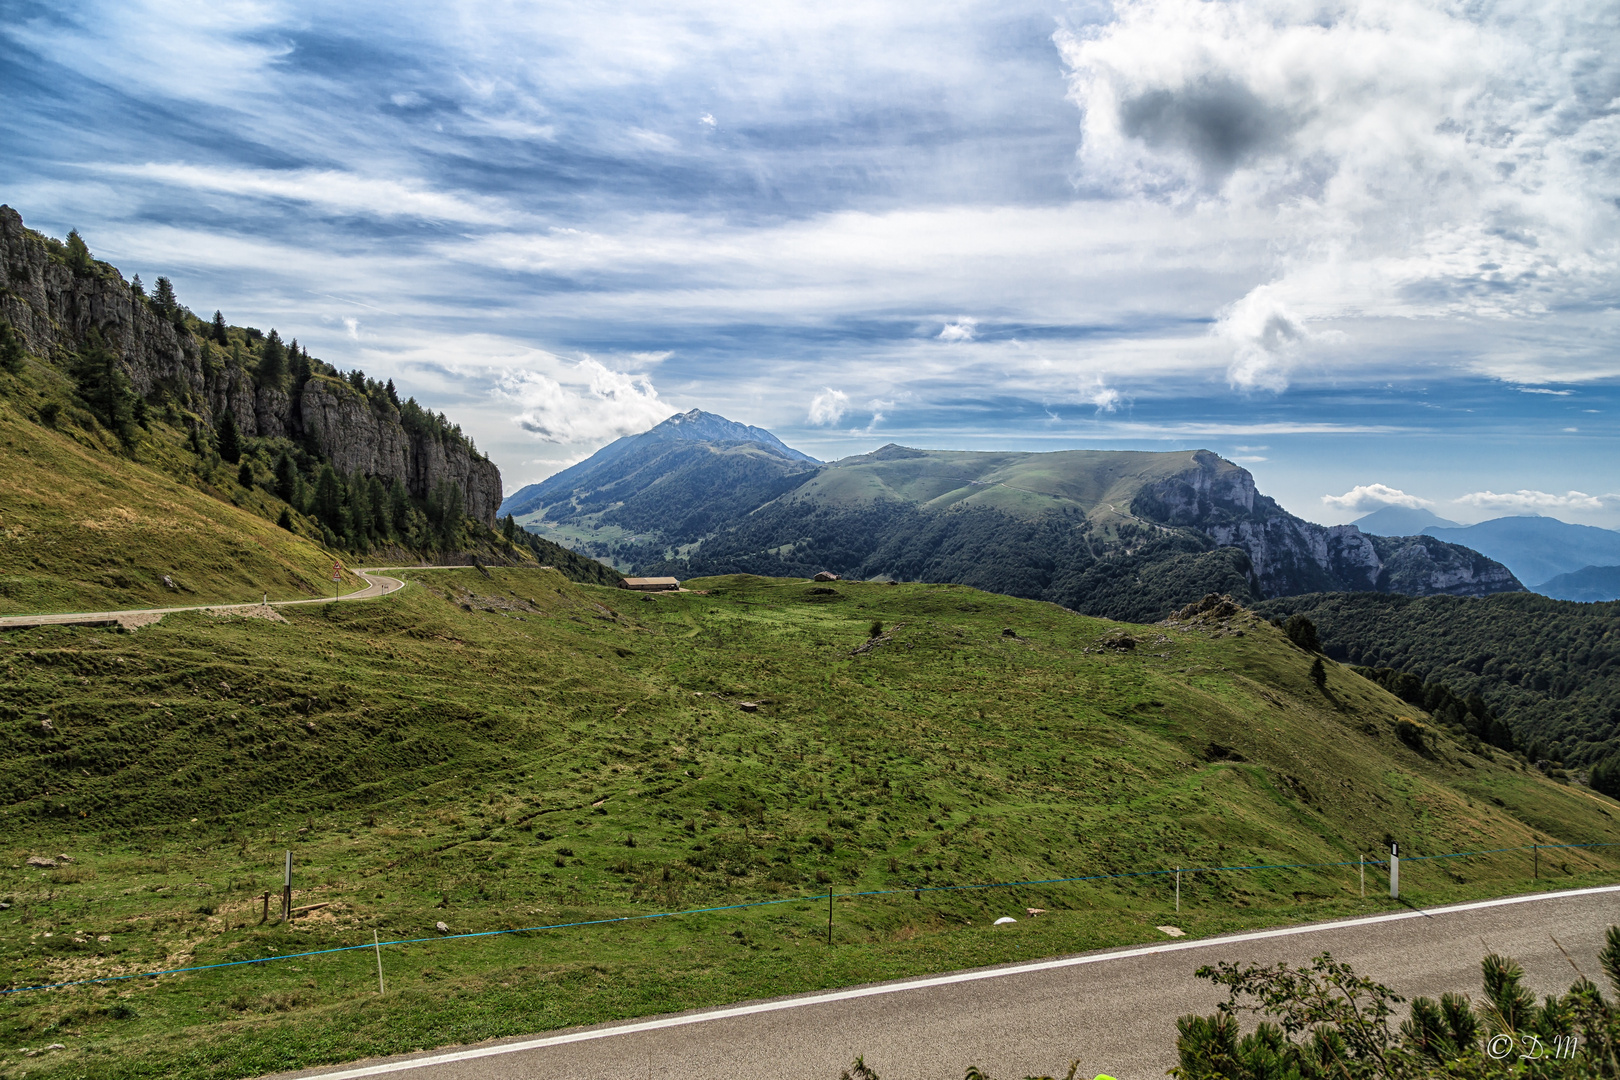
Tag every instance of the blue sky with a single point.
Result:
(1370, 250)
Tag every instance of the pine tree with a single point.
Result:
(221, 332)
(285, 520)
(11, 348)
(163, 301)
(78, 255)
(329, 500)
(230, 439)
(273, 362)
(399, 507)
(286, 479)
(393, 395)
(106, 389)
(137, 288)
(509, 527)
(1319, 674)
(244, 475)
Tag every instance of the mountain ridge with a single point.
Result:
(1537, 548)
(1125, 533)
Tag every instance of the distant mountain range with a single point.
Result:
(1590, 584)
(1537, 549)
(1402, 521)
(1572, 562)
(1123, 533)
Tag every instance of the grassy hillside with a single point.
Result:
(84, 528)
(1097, 484)
(510, 749)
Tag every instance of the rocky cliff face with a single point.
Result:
(1291, 555)
(58, 310)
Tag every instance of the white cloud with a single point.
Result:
(1365, 497)
(329, 189)
(962, 329)
(596, 404)
(351, 325)
(707, 118)
(1106, 398)
(1544, 390)
(1266, 339)
(1526, 500)
(1403, 158)
(828, 407)
(1251, 459)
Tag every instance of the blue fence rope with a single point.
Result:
(915, 890)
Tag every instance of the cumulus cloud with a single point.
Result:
(962, 329)
(1405, 157)
(593, 404)
(828, 407)
(1365, 497)
(1527, 501)
(1266, 339)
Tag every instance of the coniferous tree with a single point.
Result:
(106, 389)
(285, 520)
(273, 361)
(329, 500)
(78, 255)
(11, 348)
(399, 507)
(221, 332)
(163, 301)
(137, 288)
(230, 439)
(286, 479)
(393, 395)
(299, 366)
(244, 475)
(377, 499)
(509, 528)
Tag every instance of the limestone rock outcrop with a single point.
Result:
(57, 310)
(1291, 555)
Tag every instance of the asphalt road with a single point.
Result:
(376, 585)
(1115, 1011)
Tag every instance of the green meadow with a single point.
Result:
(504, 749)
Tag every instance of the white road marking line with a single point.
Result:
(922, 984)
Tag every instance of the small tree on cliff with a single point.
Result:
(78, 255)
(230, 439)
(163, 301)
(220, 331)
(273, 362)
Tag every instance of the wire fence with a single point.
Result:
(829, 896)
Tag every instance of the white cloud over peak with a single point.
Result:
(1525, 500)
(1366, 497)
(828, 407)
(962, 329)
(592, 403)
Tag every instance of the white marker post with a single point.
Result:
(1361, 861)
(1394, 871)
(286, 891)
(1178, 890)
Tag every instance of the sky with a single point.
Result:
(1368, 249)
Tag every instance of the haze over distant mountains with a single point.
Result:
(1122, 533)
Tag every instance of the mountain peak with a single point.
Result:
(699, 426)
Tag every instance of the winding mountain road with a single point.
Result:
(377, 586)
(1114, 1010)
